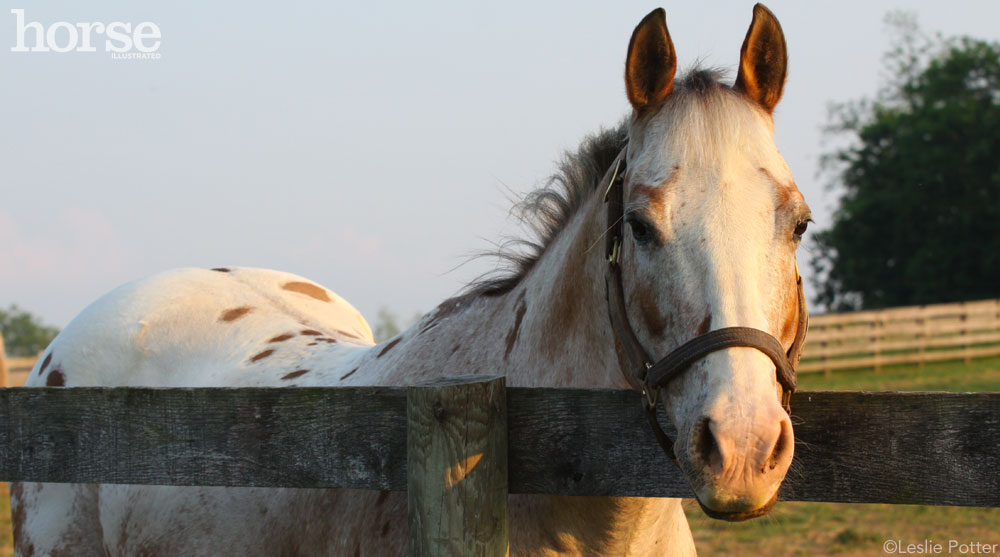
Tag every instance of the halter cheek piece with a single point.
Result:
(650, 378)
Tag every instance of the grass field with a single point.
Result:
(827, 528)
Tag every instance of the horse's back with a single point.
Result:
(198, 327)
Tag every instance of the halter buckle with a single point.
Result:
(616, 249)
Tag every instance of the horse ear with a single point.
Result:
(763, 60)
(651, 62)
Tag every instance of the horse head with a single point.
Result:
(710, 219)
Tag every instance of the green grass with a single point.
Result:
(976, 376)
(6, 535)
(826, 528)
(840, 529)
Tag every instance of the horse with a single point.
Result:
(700, 238)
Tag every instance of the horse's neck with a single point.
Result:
(550, 330)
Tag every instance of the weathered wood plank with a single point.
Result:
(902, 448)
(303, 437)
(920, 448)
(457, 467)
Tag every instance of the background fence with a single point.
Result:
(14, 371)
(905, 335)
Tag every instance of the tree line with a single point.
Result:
(918, 218)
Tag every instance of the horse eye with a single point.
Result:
(641, 231)
(800, 228)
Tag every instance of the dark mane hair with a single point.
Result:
(548, 209)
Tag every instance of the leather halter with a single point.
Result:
(649, 377)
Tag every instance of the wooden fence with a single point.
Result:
(14, 371)
(474, 438)
(905, 335)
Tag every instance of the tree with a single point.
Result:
(23, 333)
(919, 218)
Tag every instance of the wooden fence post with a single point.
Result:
(966, 357)
(456, 458)
(4, 380)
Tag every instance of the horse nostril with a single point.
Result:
(707, 446)
(781, 445)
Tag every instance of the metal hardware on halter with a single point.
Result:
(650, 400)
(615, 252)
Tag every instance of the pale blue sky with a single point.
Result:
(371, 149)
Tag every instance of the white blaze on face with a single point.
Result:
(705, 173)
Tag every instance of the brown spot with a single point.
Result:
(326, 340)
(385, 528)
(388, 347)
(654, 198)
(791, 323)
(348, 374)
(295, 374)
(428, 327)
(221, 269)
(17, 518)
(651, 314)
(261, 356)
(706, 325)
(45, 364)
(313, 344)
(56, 378)
(452, 306)
(281, 338)
(235, 313)
(784, 194)
(311, 332)
(522, 308)
(308, 289)
(566, 307)
(382, 496)
(22, 546)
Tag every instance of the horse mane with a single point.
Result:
(547, 210)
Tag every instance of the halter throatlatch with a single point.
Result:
(648, 377)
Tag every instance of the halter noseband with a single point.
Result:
(648, 377)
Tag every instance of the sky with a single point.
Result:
(372, 149)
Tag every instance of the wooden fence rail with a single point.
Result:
(905, 335)
(907, 448)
